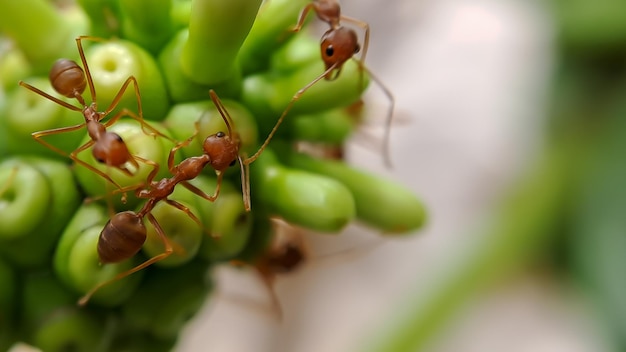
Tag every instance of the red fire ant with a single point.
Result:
(338, 45)
(125, 233)
(70, 80)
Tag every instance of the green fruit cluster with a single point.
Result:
(52, 210)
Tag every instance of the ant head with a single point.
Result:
(111, 150)
(222, 150)
(338, 46)
(67, 78)
(121, 238)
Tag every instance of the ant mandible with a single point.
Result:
(70, 80)
(125, 233)
(338, 45)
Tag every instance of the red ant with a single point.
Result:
(125, 233)
(285, 253)
(338, 45)
(69, 80)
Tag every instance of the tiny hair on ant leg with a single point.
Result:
(338, 45)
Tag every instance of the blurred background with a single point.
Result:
(509, 125)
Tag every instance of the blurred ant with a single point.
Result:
(69, 80)
(285, 253)
(125, 233)
(338, 45)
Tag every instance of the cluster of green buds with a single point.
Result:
(53, 208)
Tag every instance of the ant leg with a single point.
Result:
(366, 41)
(201, 193)
(38, 136)
(74, 156)
(172, 154)
(302, 16)
(388, 118)
(81, 52)
(268, 282)
(144, 125)
(295, 98)
(49, 97)
(245, 183)
(366, 38)
(139, 116)
(187, 211)
(222, 110)
(166, 253)
(155, 168)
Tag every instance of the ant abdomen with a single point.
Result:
(67, 78)
(122, 237)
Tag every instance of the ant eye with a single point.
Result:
(99, 159)
(330, 51)
(118, 138)
(220, 134)
(357, 48)
(232, 162)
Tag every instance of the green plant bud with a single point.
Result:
(167, 299)
(13, 67)
(104, 17)
(181, 87)
(64, 199)
(299, 197)
(27, 112)
(154, 148)
(332, 126)
(232, 226)
(25, 195)
(380, 203)
(77, 264)
(179, 228)
(181, 13)
(111, 63)
(182, 118)
(217, 28)
(72, 329)
(270, 30)
(147, 23)
(40, 31)
(301, 50)
(41, 294)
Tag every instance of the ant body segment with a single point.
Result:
(125, 233)
(70, 80)
(338, 45)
